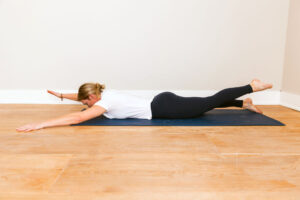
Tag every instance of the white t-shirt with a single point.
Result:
(122, 105)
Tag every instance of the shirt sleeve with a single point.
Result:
(104, 103)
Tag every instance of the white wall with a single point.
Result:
(139, 44)
(290, 95)
(291, 81)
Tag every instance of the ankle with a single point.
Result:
(244, 104)
(252, 87)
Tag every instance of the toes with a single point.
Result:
(260, 111)
(271, 85)
(257, 109)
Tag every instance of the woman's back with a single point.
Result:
(120, 105)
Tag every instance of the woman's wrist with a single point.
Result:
(41, 125)
(61, 96)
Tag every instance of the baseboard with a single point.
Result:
(290, 100)
(42, 97)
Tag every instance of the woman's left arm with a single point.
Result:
(73, 118)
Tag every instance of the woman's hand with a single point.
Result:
(30, 127)
(72, 118)
(54, 93)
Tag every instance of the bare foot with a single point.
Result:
(258, 85)
(248, 104)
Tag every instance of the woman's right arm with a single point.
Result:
(71, 96)
(72, 118)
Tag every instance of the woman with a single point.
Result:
(117, 104)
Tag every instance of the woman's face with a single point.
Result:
(90, 101)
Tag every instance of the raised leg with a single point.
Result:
(170, 105)
(226, 95)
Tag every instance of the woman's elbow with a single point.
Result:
(80, 119)
(77, 120)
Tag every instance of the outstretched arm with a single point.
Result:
(73, 118)
(71, 96)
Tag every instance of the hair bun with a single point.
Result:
(100, 87)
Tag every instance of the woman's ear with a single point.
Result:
(92, 96)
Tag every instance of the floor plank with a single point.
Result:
(147, 162)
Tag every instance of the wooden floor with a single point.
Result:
(147, 162)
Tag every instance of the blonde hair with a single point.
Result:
(87, 89)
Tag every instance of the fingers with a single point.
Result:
(53, 93)
(26, 128)
(23, 128)
(50, 91)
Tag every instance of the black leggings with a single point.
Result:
(170, 105)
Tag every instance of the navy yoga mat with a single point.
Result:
(215, 117)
